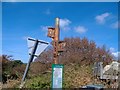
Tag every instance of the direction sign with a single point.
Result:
(42, 45)
(57, 75)
(36, 47)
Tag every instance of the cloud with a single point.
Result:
(80, 29)
(48, 12)
(116, 25)
(65, 24)
(116, 55)
(102, 18)
(44, 28)
(112, 49)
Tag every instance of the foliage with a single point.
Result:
(41, 81)
(19, 70)
(80, 51)
(11, 69)
(80, 76)
(78, 58)
(46, 56)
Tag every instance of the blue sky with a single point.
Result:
(96, 21)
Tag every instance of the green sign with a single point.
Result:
(57, 75)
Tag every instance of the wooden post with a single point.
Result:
(56, 41)
(58, 45)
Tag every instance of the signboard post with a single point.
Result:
(36, 47)
(57, 76)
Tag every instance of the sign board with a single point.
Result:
(97, 68)
(42, 45)
(61, 46)
(51, 32)
(57, 75)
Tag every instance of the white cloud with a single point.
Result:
(116, 55)
(80, 29)
(102, 18)
(44, 28)
(116, 25)
(112, 49)
(64, 24)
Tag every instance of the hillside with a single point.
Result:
(78, 60)
(75, 76)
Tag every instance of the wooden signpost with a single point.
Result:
(59, 46)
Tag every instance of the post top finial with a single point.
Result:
(57, 21)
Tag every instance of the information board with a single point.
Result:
(57, 75)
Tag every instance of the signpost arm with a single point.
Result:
(30, 60)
